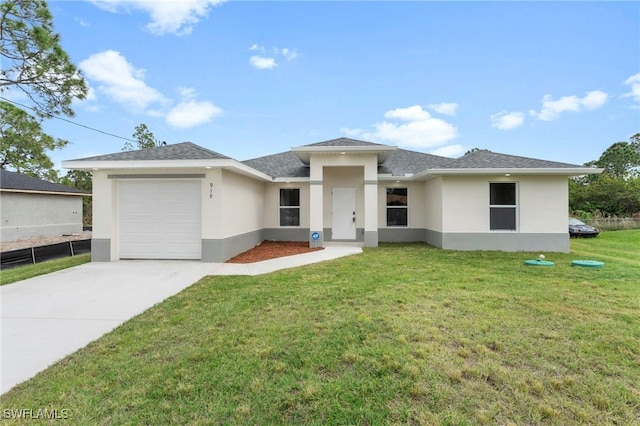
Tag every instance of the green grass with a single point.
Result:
(403, 334)
(19, 273)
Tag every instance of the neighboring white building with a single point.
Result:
(183, 201)
(31, 208)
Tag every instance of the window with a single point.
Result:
(289, 207)
(502, 206)
(397, 207)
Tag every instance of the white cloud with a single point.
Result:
(446, 108)
(352, 132)
(452, 151)
(122, 82)
(288, 53)
(267, 58)
(634, 82)
(551, 109)
(262, 62)
(410, 127)
(177, 17)
(117, 78)
(191, 113)
(507, 120)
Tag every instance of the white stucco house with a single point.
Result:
(183, 201)
(32, 207)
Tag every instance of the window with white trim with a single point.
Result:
(289, 207)
(397, 207)
(503, 206)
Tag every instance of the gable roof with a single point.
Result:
(178, 151)
(16, 182)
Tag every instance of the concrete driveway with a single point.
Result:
(51, 316)
(48, 317)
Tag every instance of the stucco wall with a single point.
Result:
(465, 204)
(433, 204)
(26, 215)
(271, 211)
(542, 203)
(417, 214)
(242, 204)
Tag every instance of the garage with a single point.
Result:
(159, 219)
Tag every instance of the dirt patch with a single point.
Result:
(271, 250)
(42, 241)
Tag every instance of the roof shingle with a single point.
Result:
(483, 159)
(17, 181)
(402, 162)
(284, 164)
(344, 142)
(179, 151)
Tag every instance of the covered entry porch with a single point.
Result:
(343, 192)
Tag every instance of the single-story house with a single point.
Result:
(183, 201)
(32, 207)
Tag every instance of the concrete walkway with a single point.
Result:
(51, 316)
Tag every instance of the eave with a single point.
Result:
(227, 164)
(551, 171)
(31, 191)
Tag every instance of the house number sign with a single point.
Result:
(210, 190)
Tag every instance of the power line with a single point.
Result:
(68, 121)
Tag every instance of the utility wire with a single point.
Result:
(68, 121)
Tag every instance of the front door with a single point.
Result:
(344, 214)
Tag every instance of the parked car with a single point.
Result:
(578, 228)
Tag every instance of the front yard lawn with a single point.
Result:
(20, 273)
(403, 334)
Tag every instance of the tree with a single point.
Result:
(23, 146)
(78, 179)
(476, 149)
(81, 180)
(33, 60)
(606, 195)
(621, 159)
(615, 192)
(144, 139)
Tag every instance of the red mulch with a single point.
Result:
(272, 249)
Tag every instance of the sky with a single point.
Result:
(551, 80)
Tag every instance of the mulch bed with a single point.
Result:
(271, 250)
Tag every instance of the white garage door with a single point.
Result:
(159, 219)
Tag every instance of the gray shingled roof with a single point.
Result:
(402, 161)
(492, 160)
(345, 142)
(284, 164)
(17, 181)
(179, 151)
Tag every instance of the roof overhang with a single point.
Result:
(382, 151)
(551, 171)
(227, 164)
(30, 191)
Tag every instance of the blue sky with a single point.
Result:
(558, 81)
